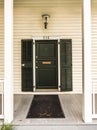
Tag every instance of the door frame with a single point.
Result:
(34, 61)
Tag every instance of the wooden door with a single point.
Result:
(46, 64)
(27, 65)
(66, 64)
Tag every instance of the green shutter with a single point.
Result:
(66, 64)
(27, 66)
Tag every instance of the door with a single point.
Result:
(46, 64)
(66, 64)
(27, 59)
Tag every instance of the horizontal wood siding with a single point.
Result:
(1, 42)
(65, 21)
(94, 44)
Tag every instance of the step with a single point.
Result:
(56, 127)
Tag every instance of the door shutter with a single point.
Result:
(27, 66)
(66, 64)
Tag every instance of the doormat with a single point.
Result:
(45, 106)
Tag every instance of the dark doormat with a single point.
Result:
(45, 106)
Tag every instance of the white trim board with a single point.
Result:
(34, 93)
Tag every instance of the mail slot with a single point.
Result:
(46, 62)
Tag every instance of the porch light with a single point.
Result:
(45, 18)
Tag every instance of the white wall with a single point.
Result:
(94, 44)
(65, 21)
(1, 42)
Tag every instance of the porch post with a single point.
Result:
(8, 61)
(86, 46)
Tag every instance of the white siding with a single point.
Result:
(1, 42)
(65, 20)
(94, 43)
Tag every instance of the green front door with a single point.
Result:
(46, 64)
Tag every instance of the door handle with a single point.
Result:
(36, 57)
(23, 65)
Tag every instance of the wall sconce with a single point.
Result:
(45, 18)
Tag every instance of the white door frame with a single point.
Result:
(34, 61)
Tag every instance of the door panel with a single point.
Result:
(46, 77)
(66, 64)
(46, 64)
(27, 71)
(46, 50)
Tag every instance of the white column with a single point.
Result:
(8, 61)
(87, 85)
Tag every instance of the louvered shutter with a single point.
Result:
(27, 65)
(66, 64)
